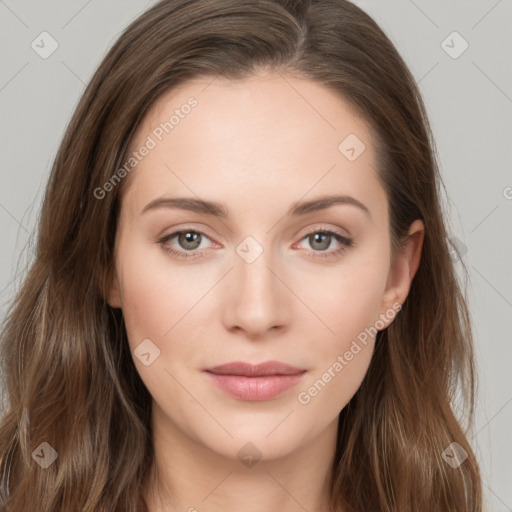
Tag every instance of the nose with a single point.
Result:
(256, 298)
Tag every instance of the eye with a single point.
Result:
(320, 240)
(188, 243)
(188, 239)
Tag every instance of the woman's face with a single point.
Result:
(274, 273)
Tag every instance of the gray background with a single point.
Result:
(469, 101)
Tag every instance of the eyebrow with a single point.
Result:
(220, 210)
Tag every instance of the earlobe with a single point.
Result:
(112, 292)
(404, 267)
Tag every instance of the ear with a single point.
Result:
(113, 290)
(403, 269)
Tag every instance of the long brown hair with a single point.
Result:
(68, 373)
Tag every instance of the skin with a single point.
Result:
(258, 145)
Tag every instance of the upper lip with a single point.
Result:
(255, 370)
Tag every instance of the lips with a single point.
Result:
(255, 382)
(259, 370)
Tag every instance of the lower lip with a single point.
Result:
(255, 389)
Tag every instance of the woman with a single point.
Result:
(242, 283)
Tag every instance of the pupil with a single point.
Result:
(317, 238)
(190, 240)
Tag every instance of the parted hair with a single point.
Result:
(67, 373)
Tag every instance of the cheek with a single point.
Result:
(335, 382)
(158, 303)
(155, 294)
(348, 304)
(346, 299)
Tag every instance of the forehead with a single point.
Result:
(271, 134)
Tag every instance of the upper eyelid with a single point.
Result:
(317, 226)
(324, 229)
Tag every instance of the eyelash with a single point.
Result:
(344, 241)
